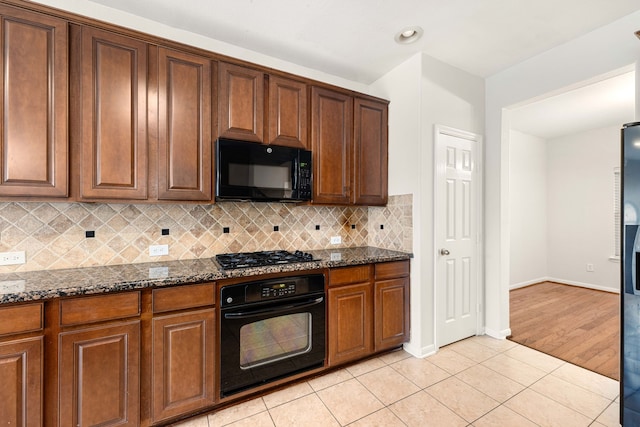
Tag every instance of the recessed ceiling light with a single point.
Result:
(408, 35)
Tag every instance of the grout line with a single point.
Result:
(449, 376)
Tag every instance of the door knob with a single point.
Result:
(444, 252)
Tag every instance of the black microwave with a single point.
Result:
(257, 172)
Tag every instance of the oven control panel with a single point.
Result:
(278, 290)
(272, 289)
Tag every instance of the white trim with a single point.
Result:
(501, 335)
(565, 282)
(418, 352)
(528, 282)
(480, 288)
(584, 285)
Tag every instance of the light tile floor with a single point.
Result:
(476, 382)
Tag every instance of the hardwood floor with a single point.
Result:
(578, 325)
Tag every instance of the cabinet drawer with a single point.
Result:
(347, 275)
(82, 310)
(387, 270)
(21, 319)
(181, 297)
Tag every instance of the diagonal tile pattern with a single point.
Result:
(53, 234)
(497, 383)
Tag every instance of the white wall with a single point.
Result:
(602, 51)
(580, 208)
(127, 20)
(561, 208)
(402, 86)
(425, 92)
(528, 208)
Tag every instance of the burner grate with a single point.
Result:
(261, 259)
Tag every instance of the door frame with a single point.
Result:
(438, 173)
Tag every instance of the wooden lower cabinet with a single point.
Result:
(141, 358)
(350, 323)
(99, 378)
(391, 303)
(391, 313)
(21, 379)
(182, 363)
(368, 310)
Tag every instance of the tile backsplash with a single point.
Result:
(54, 235)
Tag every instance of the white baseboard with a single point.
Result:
(419, 352)
(501, 335)
(565, 282)
(585, 285)
(529, 282)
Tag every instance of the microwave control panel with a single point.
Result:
(304, 190)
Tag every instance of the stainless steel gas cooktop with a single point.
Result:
(261, 259)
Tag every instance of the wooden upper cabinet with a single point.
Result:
(34, 111)
(331, 143)
(114, 149)
(370, 177)
(287, 112)
(241, 103)
(184, 123)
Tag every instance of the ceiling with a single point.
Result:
(610, 102)
(354, 39)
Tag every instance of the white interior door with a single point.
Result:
(457, 245)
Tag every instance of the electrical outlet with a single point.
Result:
(158, 272)
(590, 268)
(158, 250)
(12, 286)
(12, 258)
(336, 240)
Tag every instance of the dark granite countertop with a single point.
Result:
(47, 284)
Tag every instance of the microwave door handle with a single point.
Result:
(296, 173)
(256, 313)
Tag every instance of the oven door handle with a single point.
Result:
(254, 313)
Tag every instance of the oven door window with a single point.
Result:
(274, 339)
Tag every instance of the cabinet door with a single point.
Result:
(114, 116)
(184, 140)
(350, 323)
(183, 354)
(331, 142)
(34, 140)
(99, 379)
(21, 374)
(287, 112)
(241, 103)
(391, 313)
(370, 153)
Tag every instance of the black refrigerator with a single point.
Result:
(630, 277)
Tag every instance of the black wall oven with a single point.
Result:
(269, 330)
